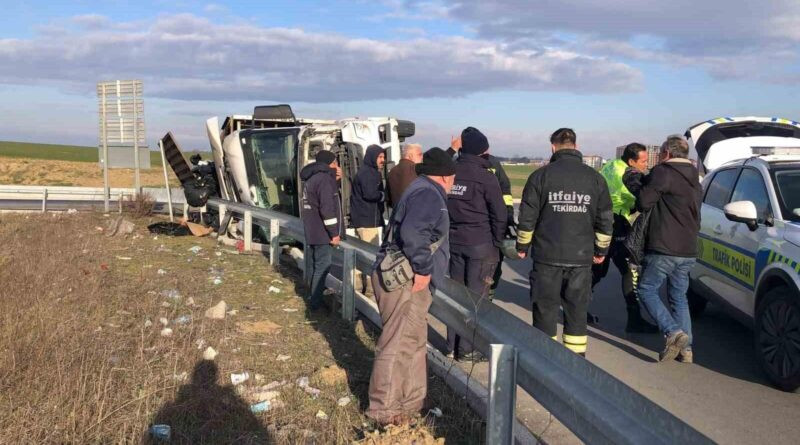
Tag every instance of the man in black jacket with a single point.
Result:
(496, 169)
(568, 205)
(672, 190)
(477, 224)
(322, 221)
(367, 203)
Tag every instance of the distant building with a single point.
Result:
(653, 154)
(594, 161)
(537, 163)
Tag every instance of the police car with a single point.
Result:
(749, 245)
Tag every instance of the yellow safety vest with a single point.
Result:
(622, 199)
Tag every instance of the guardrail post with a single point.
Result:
(186, 210)
(274, 245)
(44, 200)
(223, 209)
(348, 284)
(248, 230)
(120, 203)
(502, 395)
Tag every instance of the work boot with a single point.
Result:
(676, 342)
(636, 324)
(686, 356)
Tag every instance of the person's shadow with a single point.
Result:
(205, 412)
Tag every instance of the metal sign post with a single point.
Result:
(122, 129)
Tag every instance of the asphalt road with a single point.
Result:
(723, 394)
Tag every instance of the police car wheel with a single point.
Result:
(777, 335)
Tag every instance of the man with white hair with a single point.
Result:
(403, 173)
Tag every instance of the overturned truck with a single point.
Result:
(257, 158)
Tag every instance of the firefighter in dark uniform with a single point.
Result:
(478, 220)
(566, 214)
(496, 168)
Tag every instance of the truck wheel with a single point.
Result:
(777, 337)
(697, 303)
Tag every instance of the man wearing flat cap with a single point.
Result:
(418, 231)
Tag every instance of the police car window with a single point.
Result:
(720, 188)
(750, 187)
(788, 182)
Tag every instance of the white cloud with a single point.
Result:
(190, 57)
(728, 39)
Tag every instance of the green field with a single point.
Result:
(518, 174)
(74, 153)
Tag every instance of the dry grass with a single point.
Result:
(79, 365)
(22, 171)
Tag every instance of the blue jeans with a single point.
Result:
(318, 264)
(675, 270)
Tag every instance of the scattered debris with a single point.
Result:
(259, 395)
(233, 312)
(302, 382)
(120, 226)
(259, 327)
(218, 253)
(190, 301)
(119, 312)
(182, 377)
(72, 211)
(277, 282)
(195, 250)
(249, 281)
(217, 281)
(161, 432)
(163, 320)
(198, 229)
(168, 228)
(274, 290)
(344, 401)
(183, 319)
(166, 332)
(259, 377)
(217, 312)
(260, 407)
(148, 323)
(289, 309)
(200, 343)
(163, 248)
(240, 378)
(162, 272)
(283, 358)
(165, 304)
(321, 415)
(172, 294)
(437, 412)
(209, 353)
(124, 258)
(331, 375)
(104, 266)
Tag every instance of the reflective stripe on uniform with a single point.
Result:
(508, 199)
(576, 343)
(602, 240)
(330, 222)
(524, 236)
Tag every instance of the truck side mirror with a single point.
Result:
(743, 212)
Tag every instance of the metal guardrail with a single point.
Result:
(596, 406)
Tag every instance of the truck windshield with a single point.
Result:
(788, 185)
(275, 153)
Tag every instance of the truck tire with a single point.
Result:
(777, 337)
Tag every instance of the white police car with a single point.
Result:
(749, 246)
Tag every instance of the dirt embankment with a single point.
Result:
(102, 337)
(23, 171)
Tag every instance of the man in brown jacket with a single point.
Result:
(403, 173)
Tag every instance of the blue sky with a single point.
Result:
(615, 71)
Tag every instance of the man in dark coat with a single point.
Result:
(419, 228)
(322, 221)
(478, 219)
(403, 173)
(367, 204)
(672, 192)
